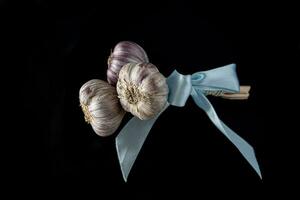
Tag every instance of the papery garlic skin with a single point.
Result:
(101, 106)
(142, 90)
(123, 53)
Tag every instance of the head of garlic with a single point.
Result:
(101, 106)
(142, 90)
(123, 53)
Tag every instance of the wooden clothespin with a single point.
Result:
(242, 95)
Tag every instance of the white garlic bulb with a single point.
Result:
(142, 89)
(101, 106)
(123, 53)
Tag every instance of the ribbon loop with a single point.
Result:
(180, 87)
(221, 78)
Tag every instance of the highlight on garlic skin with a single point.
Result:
(123, 53)
(142, 90)
(101, 107)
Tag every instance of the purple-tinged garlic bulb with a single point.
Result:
(142, 90)
(101, 106)
(123, 53)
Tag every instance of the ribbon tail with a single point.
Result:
(130, 141)
(245, 149)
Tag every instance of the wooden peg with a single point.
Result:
(242, 95)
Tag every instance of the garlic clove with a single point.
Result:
(101, 107)
(123, 53)
(142, 89)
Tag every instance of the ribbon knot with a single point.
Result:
(181, 87)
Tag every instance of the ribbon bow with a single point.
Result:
(223, 79)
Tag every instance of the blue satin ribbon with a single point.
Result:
(131, 138)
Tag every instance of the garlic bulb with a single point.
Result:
(123, 53)
(142, 89)
(101, 106)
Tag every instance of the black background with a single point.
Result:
(53, 48)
